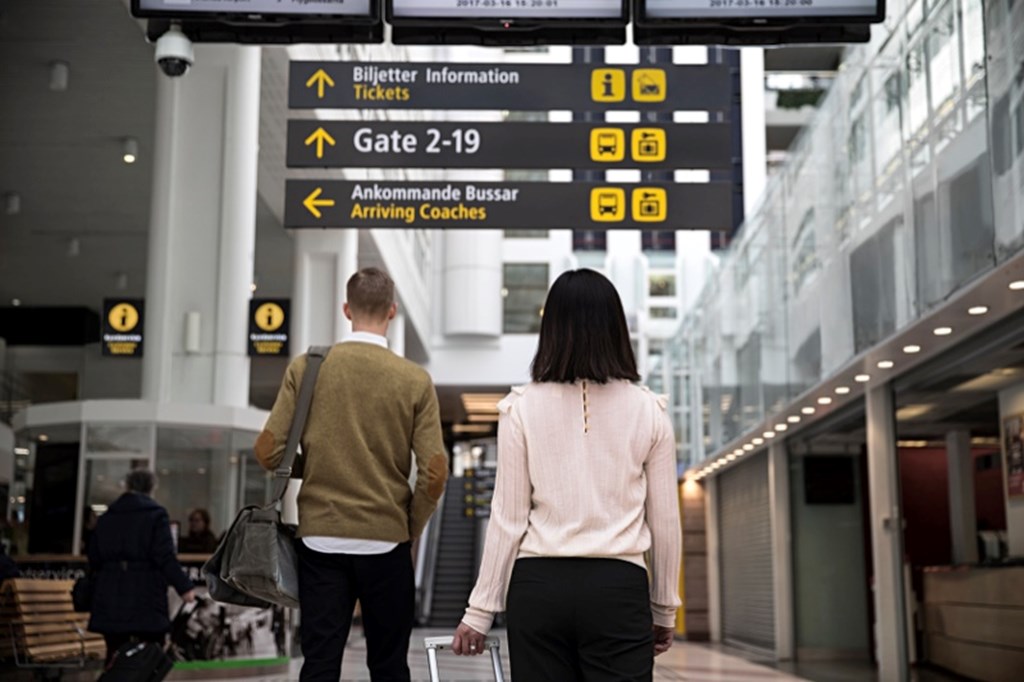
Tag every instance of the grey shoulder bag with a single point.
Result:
(255, 563)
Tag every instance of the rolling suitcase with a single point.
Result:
(138, 662)
(434, 644)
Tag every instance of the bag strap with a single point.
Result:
(315, 358)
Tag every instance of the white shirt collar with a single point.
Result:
(367, 337)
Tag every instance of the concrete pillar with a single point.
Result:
(755, 147)
(324, 262)
(782, 550)
(714, 560)
(473, 277)
(203, 230)
(886, 536)
(396, 335)
(963, 520)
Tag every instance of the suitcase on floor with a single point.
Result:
(435, 644)
(138, 662)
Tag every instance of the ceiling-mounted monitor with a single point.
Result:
(268, 21)
(755, 22)
(508, 22)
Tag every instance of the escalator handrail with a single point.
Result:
(426, 563)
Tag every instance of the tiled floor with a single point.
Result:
(689, 662)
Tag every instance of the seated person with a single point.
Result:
(200, 539)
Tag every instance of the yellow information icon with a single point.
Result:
(608, 85)
(607, 144)
(123, 317)
(649, 85)
(607, 204)
(650, 204)
(648, 145)
(269, 317)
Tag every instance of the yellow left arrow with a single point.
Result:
(320, 79)
(313, 202)
(319, 137)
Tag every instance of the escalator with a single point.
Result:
(448, 560)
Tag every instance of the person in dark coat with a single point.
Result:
(131, 555)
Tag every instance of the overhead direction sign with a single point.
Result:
(401, 144)
(522, 205)
(516, 87)
(872, 10)
(508, 9)
(250, 8)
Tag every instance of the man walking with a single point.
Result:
(357, 513)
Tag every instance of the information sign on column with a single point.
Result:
(268, 327)
(122, 326)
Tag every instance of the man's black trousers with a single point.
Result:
(582, 620)
(330, 585)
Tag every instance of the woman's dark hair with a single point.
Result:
(140, 481)
(203, 514)
(583, 333)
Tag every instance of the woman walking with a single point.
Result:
(586, 487)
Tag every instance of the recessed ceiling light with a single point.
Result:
(842, 390)
(862, 378)
(886, 364)
(824, 400)
(794, 419)
(808, 410)
(748, 447)
(912, 348)
(130, 149)
(15, 302)
(12, 203)
(781, 427)
(730, 457)
(757, 441)
(769, 434)
(1017, 285)
(738, 451)
(942, 331)
(43, 438)
(977, 310)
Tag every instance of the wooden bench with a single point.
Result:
(40, 627)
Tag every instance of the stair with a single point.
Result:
(455, 571)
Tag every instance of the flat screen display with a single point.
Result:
(347, 8)
(725, 10)
(508, 9)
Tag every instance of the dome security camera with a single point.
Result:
(174, 52)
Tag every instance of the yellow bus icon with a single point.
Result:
(607, 204)
(607, 144)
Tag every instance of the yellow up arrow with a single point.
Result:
(318, 137)
(320, 78)
(313, 203)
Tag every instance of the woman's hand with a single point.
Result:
(467, 641)
(663, 638)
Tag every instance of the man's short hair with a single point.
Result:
(140, 481)
(370, 292)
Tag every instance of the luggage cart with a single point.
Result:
(433, 644)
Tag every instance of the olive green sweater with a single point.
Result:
(371, 410)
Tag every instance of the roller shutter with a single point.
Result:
(745, 538)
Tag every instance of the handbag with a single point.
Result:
(81, 593)
(255, 563)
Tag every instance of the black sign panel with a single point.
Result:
(268, 327)
(747, 10)
(518, 87)
(122, 326)
(522, 205)
(255, 8)
(507, 9)
(394, 144)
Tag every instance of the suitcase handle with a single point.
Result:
(434, 644)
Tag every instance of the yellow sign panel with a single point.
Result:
(269, 317)
(608, 85)
(123, 317)
(649, 85)
(607, 144)
(648, 145)
(607, 204)
(650, 204)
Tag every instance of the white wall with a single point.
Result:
(1011, 402)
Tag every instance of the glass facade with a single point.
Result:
(908, 184)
